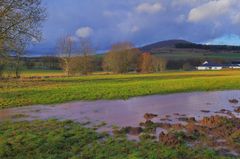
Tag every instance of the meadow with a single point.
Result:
(49, 90)
(66, 139)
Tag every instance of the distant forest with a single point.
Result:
(207, 47)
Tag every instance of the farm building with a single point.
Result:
(212, 66)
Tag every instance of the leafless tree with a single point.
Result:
(65, 48)
(18, 50)
(84, 62)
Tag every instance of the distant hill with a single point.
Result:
(183, 50)
(183, 44)
(164, 44)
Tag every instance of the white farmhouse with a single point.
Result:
(212, 66)
(209, 66)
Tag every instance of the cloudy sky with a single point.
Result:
(140, 21)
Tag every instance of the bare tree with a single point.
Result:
(65, 48)
(84, 62)
(122, 58)
(2, 64)
(18, 50)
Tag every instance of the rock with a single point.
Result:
(237, 110)
(223, 110)
(177, 114)
(165, 119)
(205, 111)
(132, 130)
(187, 119)
(149, 116)
(233, 101)
(167, 116)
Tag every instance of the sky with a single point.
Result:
(140, 21)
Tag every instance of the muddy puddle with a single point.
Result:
(169, 108)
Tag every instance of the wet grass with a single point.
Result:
(68, 140)
(57, 90)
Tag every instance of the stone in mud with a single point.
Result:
(165, 119)
(237, 110)
(149, 116)
(233, 101)
(167, 116)
(132, 130)
(187, 119)
(128, 130)
(223, 110)
(205, 111)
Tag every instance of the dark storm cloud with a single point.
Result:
(142, 21)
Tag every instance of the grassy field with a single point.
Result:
(61, 140)
(31, 73)
(57, 90)
(199, 54)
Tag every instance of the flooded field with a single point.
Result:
(131, 112)
(200, 118)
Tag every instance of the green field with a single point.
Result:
(183, 54)
(62, 89)
(61, 140)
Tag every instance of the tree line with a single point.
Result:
(79, 58)
(208, 47)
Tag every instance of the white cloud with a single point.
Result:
(84, 32)
(149, 8)
(209, 10)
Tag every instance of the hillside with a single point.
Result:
(164, 44)
(183, 50)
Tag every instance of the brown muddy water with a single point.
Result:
(131, 112)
